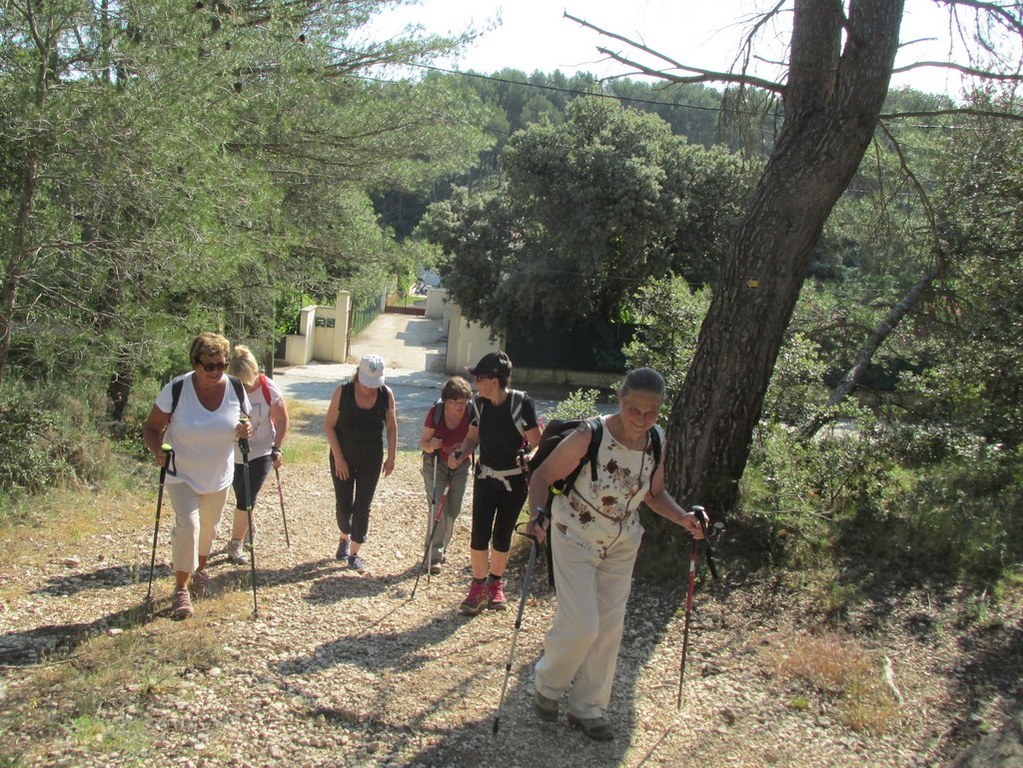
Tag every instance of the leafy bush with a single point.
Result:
(965, 514)
(580, 404)
(28, 461)
(801, 501)
(47, 438)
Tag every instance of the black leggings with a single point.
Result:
(353, 497)
(259, 468)
(495, 511)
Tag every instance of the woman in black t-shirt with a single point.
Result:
(503, 424)
(358, 413)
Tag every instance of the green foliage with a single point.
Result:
(580, 404)
(669, 314)
(797, 498)
(964, 513)
(170, 168)
(593, 207)
(27, 463)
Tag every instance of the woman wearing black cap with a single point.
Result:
(503, 421)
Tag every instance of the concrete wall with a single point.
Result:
(436, 303)
(323, 333)
(467, 341)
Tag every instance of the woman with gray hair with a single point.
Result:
(269, 419)
(595, 535)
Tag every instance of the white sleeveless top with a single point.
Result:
(603, 514)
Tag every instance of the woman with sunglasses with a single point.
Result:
(503, 424)
(202, 425)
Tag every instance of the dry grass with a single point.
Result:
(841, 670)
(306, 442)
(89, 698)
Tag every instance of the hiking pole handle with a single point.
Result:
(243, 442)
(701, 517)
(168, 458)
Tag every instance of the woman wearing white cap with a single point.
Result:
(358, 413)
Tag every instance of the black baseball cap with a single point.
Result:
(492, 364)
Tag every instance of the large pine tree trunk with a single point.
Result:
(839, 73)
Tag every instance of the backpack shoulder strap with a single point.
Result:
(265, 387)
(517, 396)
(596, 435)
(239, 392)
(438, 412)
(176, 393)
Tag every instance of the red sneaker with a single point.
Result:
(476, 600)
(495, 594)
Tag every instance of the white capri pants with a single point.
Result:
(582, 643)
(196, 517)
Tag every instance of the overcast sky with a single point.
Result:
(534, 35)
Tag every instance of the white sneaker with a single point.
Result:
(236, 553)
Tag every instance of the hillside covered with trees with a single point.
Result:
(169, 170)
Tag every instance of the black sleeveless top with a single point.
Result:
(360, 431)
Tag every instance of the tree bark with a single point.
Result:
(832, 101)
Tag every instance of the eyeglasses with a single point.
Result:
(483, 376)
(211, 367)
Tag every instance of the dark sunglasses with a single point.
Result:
(482, 376)
(211, 367)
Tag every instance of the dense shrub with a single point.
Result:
(580, 404)
(964, 514)
(47, 438)
(28, 459)
(801, 499)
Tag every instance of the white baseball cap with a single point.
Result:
(371, 371)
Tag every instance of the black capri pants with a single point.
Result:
(495, 511)
(353, 497)
(259, 468)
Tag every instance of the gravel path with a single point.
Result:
(343, 670)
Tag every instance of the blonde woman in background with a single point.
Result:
(269, 419)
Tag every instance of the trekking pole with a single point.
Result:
(526, 582)
(694, 553)
(243, 445)
(431, 528)
(284, 517)
(168, 454)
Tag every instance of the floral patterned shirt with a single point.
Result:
(602, 513)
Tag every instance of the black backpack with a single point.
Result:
(557, 430)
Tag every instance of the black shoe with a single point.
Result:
(342, 550)
(597, 728)
(546, 709)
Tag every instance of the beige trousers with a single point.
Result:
(196, 517)
(582, 643)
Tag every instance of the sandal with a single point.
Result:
(597, 728)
